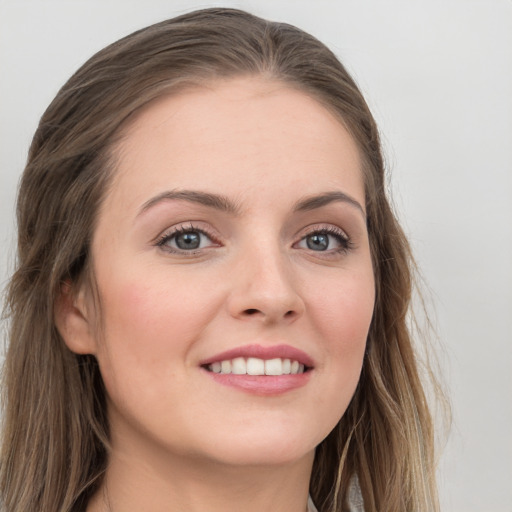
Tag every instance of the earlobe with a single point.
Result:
(74, 321)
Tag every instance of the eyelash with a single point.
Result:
(342, 238)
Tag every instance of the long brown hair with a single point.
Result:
(55, 438)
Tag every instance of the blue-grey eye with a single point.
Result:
(321, 241)
(188, 241)
(318, 242)
(185, 239)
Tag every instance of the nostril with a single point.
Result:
(255, 311)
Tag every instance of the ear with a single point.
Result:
(73, 319)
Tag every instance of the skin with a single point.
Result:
(178, 436)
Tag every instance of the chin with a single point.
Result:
(264, 446)
(263, 454)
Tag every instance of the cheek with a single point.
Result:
(345, 311)
(148, 325)
(342, 316)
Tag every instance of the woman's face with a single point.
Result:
(232, 241)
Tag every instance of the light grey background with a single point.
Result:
(438, 76)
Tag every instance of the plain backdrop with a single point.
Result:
(438, 77)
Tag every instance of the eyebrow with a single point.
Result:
(215, 201)
(224, 204)
(319, 200)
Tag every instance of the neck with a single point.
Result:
(170, 483)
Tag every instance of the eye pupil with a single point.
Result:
(190, 240)
(318, 242)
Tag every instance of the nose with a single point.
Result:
(265, 288)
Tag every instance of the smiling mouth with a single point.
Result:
(256, 366)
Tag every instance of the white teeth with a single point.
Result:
(225, 367)
(273, 367)
(256, 366)
(238, 366)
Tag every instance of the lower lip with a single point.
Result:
(262, 384)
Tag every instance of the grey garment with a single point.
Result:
(311, 506)
(355, 498)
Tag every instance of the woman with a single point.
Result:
(209, 310)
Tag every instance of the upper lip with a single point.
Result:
(282, 351)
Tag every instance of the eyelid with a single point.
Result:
(324, 228)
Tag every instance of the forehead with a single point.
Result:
(250, 129)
